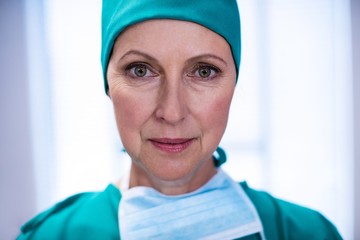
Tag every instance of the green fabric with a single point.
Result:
(95, 216)
(284, 220)
(220, 16)
(220, 158)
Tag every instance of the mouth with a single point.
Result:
(172, 145)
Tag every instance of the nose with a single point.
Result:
(172, 107)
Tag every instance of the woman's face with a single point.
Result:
(171, 83)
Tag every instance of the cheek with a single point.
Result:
(130, 122)
(220, 112)
(214, 115)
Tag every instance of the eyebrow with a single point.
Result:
(207, 56)
(195, 58)
(136, 52)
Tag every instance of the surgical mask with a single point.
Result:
(218, 210)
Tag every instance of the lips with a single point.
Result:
(172, 145)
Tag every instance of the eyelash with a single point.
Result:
(200, 66)
(131, 67)
(214, 71)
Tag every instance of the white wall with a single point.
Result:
(310, 83)
(17, 185)
(355, 11)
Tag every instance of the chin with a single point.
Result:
(173, 172)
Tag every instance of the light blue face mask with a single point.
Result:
(218, 210)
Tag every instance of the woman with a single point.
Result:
(170, 69)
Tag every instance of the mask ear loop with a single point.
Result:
(219, 157)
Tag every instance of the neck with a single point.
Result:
(188, 183)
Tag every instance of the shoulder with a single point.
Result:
(82, 216)
(285, 220)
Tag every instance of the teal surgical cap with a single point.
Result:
(220, 16)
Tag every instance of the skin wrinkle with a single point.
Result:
(193, 59)
(172, 101)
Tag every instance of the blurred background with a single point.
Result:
(294, 127)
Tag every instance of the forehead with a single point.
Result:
(163, 35)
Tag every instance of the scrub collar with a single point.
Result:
(220, 16)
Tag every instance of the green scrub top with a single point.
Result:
(94, 215)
